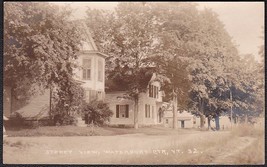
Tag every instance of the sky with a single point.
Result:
(244, 21)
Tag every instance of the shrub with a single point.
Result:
(18, 122)
(69, 120)
(46, 122)
(15, 120)
(96, 112)
(61, 119)
(16, 144)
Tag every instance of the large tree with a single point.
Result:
(260, 76)
(248, 93)
(40, 44)
(198, 39)
(127, 36)
(169, 55)
(189, 46)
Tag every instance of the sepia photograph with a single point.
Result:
(133, 83)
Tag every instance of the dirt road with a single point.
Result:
(194, 147)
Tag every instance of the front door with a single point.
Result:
(182, 124)
(160, 115)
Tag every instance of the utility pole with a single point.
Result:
(231, 99)
(174, 108)
(231, 108)
(50, 101)
(174, 111)
(136, 114)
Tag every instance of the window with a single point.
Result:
(150, 90)
(147, 111)
(86, 69)
(153, 91)
(157, 92)
(100, 70)
(122, 111)
(167, 121)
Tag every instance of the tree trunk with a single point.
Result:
(136, 113)
(202, 116)
(174, 112)
(208, 123)
(50, 102)
(217, 122)
(202, 120)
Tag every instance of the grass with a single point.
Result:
(248, 130)
(151, 130)
(5, 142)
(254, 154)
(14, 144)
(87, 131)
(53, 131)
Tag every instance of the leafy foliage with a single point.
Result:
(39, 49)
(67, 100)
(127, 36)
(97, 112)
(189, 47)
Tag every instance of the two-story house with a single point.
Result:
(90, 74)
(149, 105)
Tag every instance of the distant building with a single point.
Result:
(150, 105)
(187, 120)
(184, 119)
(225, 123)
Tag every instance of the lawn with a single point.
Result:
(88, 131)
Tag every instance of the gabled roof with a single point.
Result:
(121, 80)
(89, 36)
(88, 43)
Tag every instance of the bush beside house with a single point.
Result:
(96, 112)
